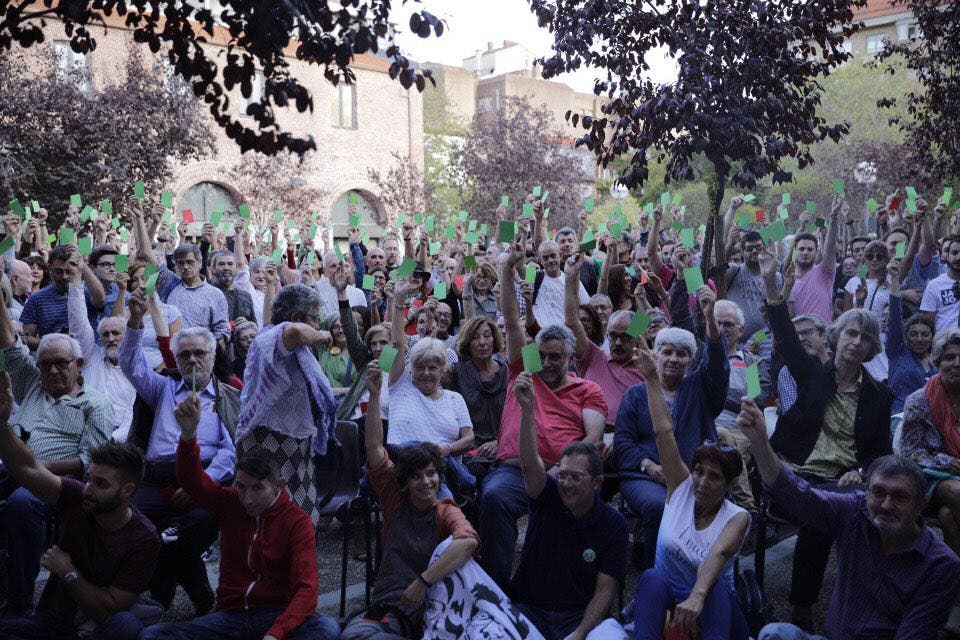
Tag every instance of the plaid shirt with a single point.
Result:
(57, 428)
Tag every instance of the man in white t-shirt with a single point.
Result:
(941, 298)
(328, 292)
(548, 299)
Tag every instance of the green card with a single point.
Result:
(277, 255)
(418, 218)
(353, 198)
(106, 207)
(589, 205)
(504, 201)
(387, 356)
(531, 275)
(665, 198)
(139, 189)
(124, 234)
(278, 215)
(911, 193)
(863, 272)
(368, 282)
(759, 336)
(785, 198)
(215, 218)
(115, 223)
(483, 229)
(753, 381)
(602, 228)
(811, 206)
(6, 244)
(354, 220)
(901, 249)
(911, 206)
(589, 243)
(440, 290)
(151, 285)
(51, 238)
(544, 198)
(451, 230)
(472, 237)
(784, 215)
(472, 226)
(527, 210)
(313, 216)
(462, 216)
(470, 262)
(17, 208)
(838, 188)
(121, 263)
(947, 196)
(774, 232)
(407, 267)
(749, 197)
(431, 223)
(244, 211)
(677, 225)
(402, 218)
(616, 228)
(638, 326)
(434, 248)
(507, 231)
(677, 198)
(648, 208)
(873, 205)
(76, 201)
(149, 269)
(687, 237)
(35, 205)
(531, 358)
(88, 213)
(312, 256)
(85, 246)
(694, 279)
(67, 236)
(536, 191)
(336, 249)
(166, 199)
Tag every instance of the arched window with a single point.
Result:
(204, 198)
(371, 219)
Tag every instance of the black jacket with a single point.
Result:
(798, 428)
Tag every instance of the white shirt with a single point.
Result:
(242, 282)
(548, 309)
(329, 304)
(939, 298)
(877, 298)
(98, 372)
(416, 418)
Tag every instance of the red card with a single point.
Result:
(187, 215)
(459, 281)
(895, 203)
(643, 277)
(672, 633)
(761, 215)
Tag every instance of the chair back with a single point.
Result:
(337, 474)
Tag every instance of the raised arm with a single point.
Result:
(830, 244)
(144, 246)
(534, 473)
(603, 286)
(373, 428)
(538, 231)
(672, 467)
(509, 304)
(571, 301)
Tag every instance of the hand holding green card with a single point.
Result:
(753, 381)
(531, 358)
(368, 282)
(638, 325)
(589, 205)
(387, 356)
(440, 290)
(531, 275)
(694, 279)
(407, 267)
(151, 285)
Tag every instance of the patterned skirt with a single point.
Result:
(295, 456)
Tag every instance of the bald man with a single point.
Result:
(21, 284)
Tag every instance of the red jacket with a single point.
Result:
(265, 563)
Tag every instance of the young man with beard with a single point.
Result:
(223, 271)
(102, 263)
(745, 284)
(106, 550)
(895, 577)
(813, 289)
(941, 298)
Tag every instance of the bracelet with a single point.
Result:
(424, 580)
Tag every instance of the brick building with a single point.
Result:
(881, 19)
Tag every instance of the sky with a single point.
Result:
(471, 24)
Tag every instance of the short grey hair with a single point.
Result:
(892, 465)
(601, 297)
(617, 316)
(677, 337)
(209, 342)
(428, 349)
(256, 264)
(732, 307)
(942, 340)
(814, 319)
(558, 332)
(869, 325)
(184, 249)
(243, 326)
(293, 298)
(51, 338)
(108, 320)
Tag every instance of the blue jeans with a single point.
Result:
(720, 619)
(503, 501)
(646, 498)
(43, 626)
(241, 625)
(25, 537)
(786, 631)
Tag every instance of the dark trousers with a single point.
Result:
(646, 499)
(503, 501)
(122, 626)
(179, 562)
(554, 625)
(241, 625)
(25, 536)
(812, 552)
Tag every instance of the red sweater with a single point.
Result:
(265, 563)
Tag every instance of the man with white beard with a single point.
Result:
(101, 368)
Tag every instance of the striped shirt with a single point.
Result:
(46, 309)
(202, 305)
(56, 428)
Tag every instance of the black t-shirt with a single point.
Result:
(124, 559)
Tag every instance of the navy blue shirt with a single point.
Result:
(562, 555)
(48, 310)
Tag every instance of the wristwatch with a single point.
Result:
(71, 577)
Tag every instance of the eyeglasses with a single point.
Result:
(107, 265)
(876, 256)
(899, 498)
(622, 337)
(186, 354)
(723, 447)
(753, 247)
(728, 324)
(59, 365)
(572, 476)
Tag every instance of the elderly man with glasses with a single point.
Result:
(60, 418)
(155, 430)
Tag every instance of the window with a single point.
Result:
(345, 106)
(485, 104)
(847, 45)
(258, 83)
(909, 31)
(72, 65)
(874, 43)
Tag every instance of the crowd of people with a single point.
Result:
(161, 391)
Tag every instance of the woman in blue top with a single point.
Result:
(700, 535)
(908, 346)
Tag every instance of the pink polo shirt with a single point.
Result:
(558, 416)
(614, 379)
(813, 292)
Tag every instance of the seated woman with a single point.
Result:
(420, 409)
(427, 545)
(930, 436)
(907, 346)
(335, 357)
(693, 572)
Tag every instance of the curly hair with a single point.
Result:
(413, 458)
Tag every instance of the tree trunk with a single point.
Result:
(714, 238)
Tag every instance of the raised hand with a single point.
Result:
(187, 414)
(706, 298)
(374, 378)
(523, 390)
(751, 422)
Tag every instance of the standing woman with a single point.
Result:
(872, 293)
(481, 380)
(908, 346)
(287, 407)
(700, 535)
